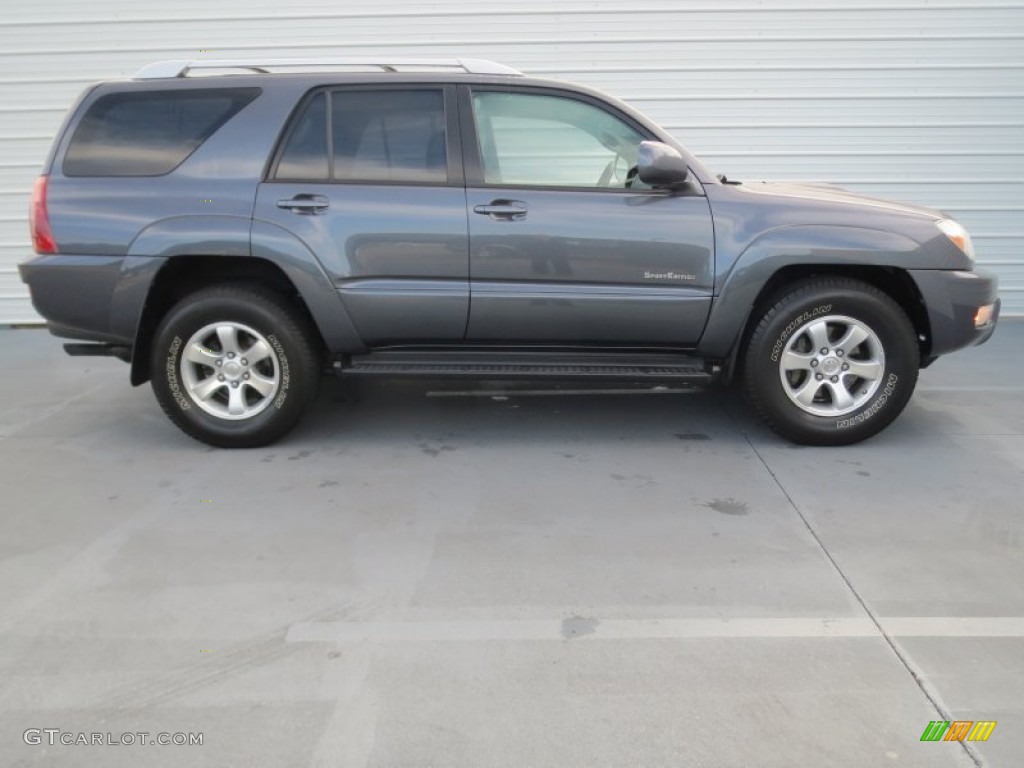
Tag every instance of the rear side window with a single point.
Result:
(373, 136)
(149, 133)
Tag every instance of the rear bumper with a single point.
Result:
(90, 298)
(953, 298)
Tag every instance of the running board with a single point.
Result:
(514, 365)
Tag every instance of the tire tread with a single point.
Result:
(781, 301)
(292, 322)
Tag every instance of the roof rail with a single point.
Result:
(182, 67)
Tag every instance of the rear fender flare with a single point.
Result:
(224, 237)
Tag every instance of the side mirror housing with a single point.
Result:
(661, 166)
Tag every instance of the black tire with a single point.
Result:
(772, 391)
(289, 361)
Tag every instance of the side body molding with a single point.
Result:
(815, 244)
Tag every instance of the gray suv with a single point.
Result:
(234, 229)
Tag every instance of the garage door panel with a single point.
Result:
(856, 137)
(921, 100)
(830, 167)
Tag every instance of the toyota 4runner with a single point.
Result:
(233, 229)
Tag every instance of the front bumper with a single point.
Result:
(953, 299)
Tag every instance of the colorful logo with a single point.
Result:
(958, 730)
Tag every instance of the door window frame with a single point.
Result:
(453, 139)
(472, 155)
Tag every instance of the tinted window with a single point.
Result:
(304, 157)
(149, 133)
(396, 136)
(389, 136)
(531, 139)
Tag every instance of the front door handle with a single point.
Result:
(503, 210)
(306, 204)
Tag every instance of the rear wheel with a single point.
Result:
(833, 362)
(234, 366)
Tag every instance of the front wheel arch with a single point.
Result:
(894, 282)
(836, 415)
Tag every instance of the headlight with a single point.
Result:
(958, 235)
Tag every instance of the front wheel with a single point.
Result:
(234, 366)
(833, 362)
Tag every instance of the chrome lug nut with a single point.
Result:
(220, 377)
(835, 379)
(839, 353)
(846, 366)
(824, 350)
(231, 354)
(244, 361)
(246, 376)
(219, 362)
(814, 363)
(818, 376)
(234, 384)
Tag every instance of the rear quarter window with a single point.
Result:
(149, 133)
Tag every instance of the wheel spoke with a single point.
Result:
(236, 402)
(228, 336)
(818, 331)
(855, 335)
(200, 355)
(258, 351)
(205, 388)
(869, 370)
(806, 393)
(851, 368)
(841, 397)
(235, 390)
(796, 361)
(262, 384)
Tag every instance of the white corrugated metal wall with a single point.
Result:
(918, 100)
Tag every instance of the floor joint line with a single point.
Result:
(904, 659)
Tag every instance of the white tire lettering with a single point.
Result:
(875, 407)
(824, 309)
(172, 374)
(285, 374)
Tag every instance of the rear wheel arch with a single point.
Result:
(184, 275)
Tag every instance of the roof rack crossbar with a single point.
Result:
(182, 67)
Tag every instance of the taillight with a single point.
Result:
(39, 219)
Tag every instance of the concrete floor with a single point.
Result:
(408, 581)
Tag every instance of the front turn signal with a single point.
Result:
(958, 235)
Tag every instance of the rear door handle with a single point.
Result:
(503, 210)
(306, 204)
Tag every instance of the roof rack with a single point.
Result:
(182, 67)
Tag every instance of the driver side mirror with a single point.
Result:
(661, 166)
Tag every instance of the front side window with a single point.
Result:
(541, 140)
(149, 133)
(373, 136)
